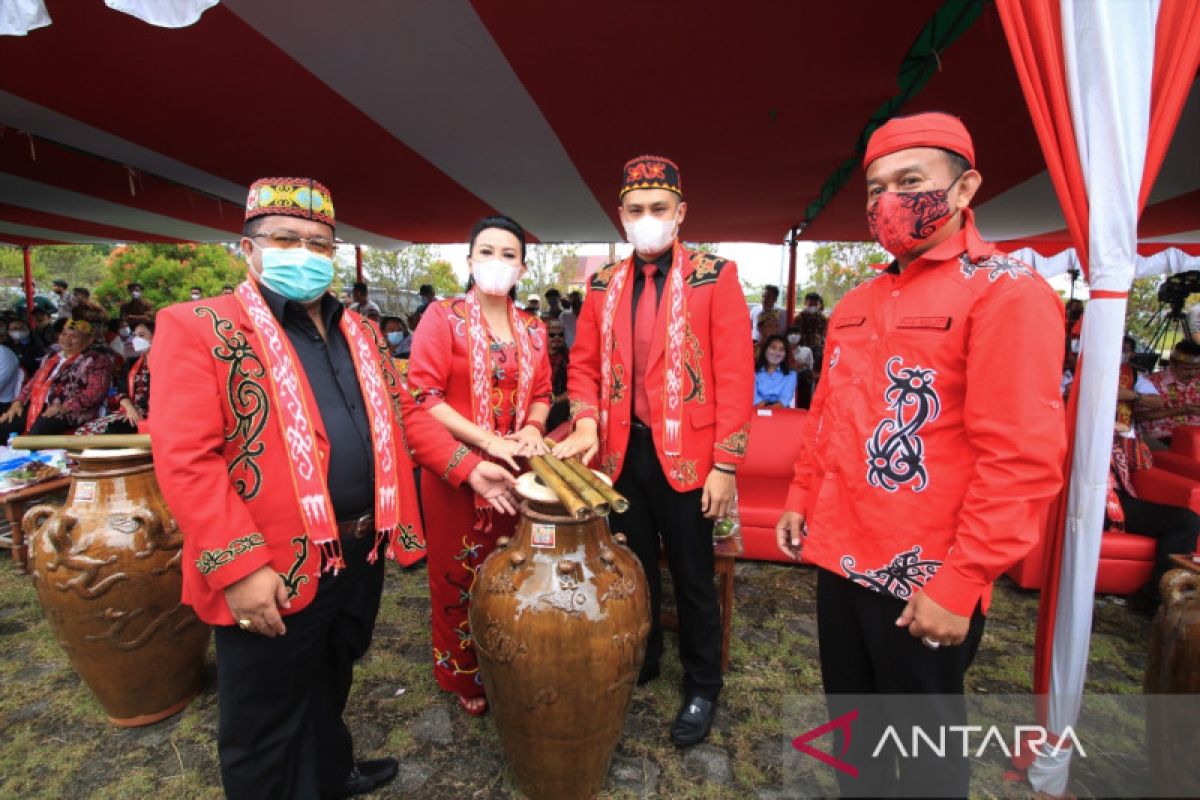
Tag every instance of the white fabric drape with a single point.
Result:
(1165, 262)
(1108, 52)
(19, 17)
(163, 13)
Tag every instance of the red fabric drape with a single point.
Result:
(1034, 32)
(1176, 59)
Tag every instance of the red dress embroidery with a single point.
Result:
(439, 371)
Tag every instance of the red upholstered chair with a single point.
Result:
(764, 476)
(1186, 441)
(1184, 456)
(1125, 558)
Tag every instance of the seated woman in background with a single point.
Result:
(774, 378)
(133, 389)
(67, 391)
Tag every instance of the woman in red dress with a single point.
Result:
(480, 366)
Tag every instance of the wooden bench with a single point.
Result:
(15, 504)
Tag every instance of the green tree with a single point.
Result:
(77, 264)
(1141, 307)
(440, 274)
(547, 265)
(837, 267)
(398, 269)
(167, 272)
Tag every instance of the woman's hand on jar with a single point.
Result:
(530, 440)
(505, 450)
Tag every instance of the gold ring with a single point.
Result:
(245, 624)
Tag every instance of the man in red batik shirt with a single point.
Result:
(924, 471)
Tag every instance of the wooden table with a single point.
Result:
(1188, 561)
(725, 553)
(15, 504)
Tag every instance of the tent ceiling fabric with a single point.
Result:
(422, 117)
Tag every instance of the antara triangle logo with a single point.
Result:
(842, 723)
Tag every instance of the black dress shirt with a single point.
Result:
(329, 367)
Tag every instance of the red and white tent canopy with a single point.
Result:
(422, 116)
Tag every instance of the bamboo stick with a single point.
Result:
(586, 491)
(566, 495)
(616, 500)
(106, 441)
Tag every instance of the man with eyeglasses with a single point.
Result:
(1179, 387)
(278, 446)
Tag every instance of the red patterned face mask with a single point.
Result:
(903, 221)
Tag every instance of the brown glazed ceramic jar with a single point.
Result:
(106, 569)
(560, 617)
(1173, 668)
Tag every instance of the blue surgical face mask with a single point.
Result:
(296, 273)
(395, 338)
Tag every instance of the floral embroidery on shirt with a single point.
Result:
(896, 451)
(907, 571)
(736, 442)
(997, 266)
(210, 560)
(247, 399)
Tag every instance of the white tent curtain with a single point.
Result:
(163, 13)
(1108, 52)
(1165, 262)
(19, 17)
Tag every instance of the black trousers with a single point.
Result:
(658, 510)
(864, 653)
(1175, 529)
(281, 733)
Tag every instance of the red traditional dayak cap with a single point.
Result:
(292, 197)
(933, 129)
(651, 172)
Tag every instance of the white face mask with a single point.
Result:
(140, 344)
(135, 294)
(793, 338)
(196, 295)
(649, 234)
(495, 277)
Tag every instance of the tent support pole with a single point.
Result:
(358, 273)
(791, 287)
(28, 287)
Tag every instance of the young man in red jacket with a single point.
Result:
(925, 470)
(661, 385)
(281, 441)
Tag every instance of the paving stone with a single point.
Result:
(710, 763)
(636, 775)
(434, 726)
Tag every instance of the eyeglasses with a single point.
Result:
(286, 240)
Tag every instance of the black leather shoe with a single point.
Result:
(367, 776)
(649, 672)
(693, 721)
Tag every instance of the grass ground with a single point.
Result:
(55, 743)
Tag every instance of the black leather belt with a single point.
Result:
(357, 528)
(637, 425)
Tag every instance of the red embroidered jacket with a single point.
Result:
(220, 460)
(439, 369)
(718, 370)
(936, 438)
